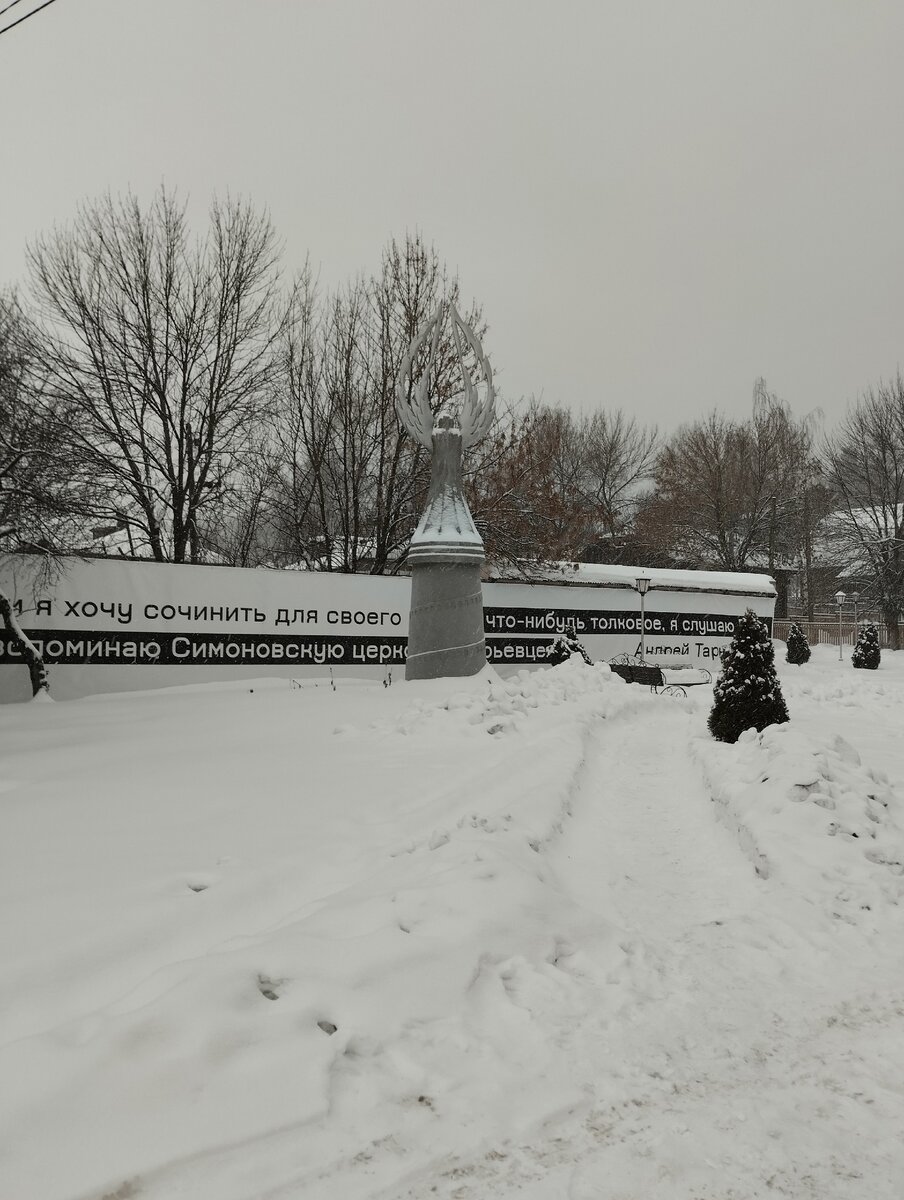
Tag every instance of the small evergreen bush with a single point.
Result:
(747, 693)
(798, 646)
(866, 654)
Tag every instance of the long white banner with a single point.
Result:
(113, 625)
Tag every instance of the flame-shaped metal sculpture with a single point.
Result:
(445, 628)
(475, 415)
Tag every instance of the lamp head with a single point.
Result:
(840, 598)
(642, 583)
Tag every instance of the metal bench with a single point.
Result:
(660, 680)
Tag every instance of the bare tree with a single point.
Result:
(548, 517)
(412, 283)
(619, 456)
(727, 491)
(327, 436)
(164, 348)
(238, 531)
(522, 489)
(864, 467)
(351, 481)
(38, 499)
(26, 435)
(559, 482)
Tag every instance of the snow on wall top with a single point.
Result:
(603, 575)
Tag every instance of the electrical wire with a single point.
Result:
(13, 24)
(12, 4)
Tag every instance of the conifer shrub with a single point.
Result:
(747, 693)
(798, 647)
(866, 654)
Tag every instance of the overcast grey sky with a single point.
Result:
(656, 202)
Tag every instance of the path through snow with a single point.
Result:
(644, 848)
(726, 1074)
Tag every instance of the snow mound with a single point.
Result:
(502, 705)
(847, 693)
(540, 722)
(811, 815)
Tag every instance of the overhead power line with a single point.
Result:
(12, 4)
(13, 24)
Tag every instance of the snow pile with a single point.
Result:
(560, 707)
(808, 812)
(492, 705)
(851, 690)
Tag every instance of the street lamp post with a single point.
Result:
(840, 598)
(855, 596)
(642, 584)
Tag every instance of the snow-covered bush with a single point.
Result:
(747, 693)
(866, 654)
(565, 645)
(798, 646)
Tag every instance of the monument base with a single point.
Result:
(445, 628)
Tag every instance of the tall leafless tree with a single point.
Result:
(560, 482)
(618, 460)
(514, 493)
(864, 468)
(727, 491)
(38, 498)
(164, 347)
(351, 480)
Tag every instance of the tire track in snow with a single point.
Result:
(708, 1071)
(645, 847)
(723, 1077)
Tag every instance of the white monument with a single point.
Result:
(445, 629)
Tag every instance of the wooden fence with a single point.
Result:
(826, 631)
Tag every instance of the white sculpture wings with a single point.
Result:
(416, 414)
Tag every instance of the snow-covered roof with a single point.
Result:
(604, 575)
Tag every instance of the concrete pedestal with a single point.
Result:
(445, 627)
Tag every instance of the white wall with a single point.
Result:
(110, 625)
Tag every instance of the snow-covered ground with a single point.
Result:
(535, 938)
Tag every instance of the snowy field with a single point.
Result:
(537, 938)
